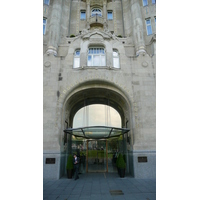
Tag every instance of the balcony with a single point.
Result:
(96, 21)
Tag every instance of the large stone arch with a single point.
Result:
(72, 98)
(97, 91)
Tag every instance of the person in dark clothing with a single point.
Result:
(76, 166)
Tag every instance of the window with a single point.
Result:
(115, 59)
(95, 12)
(76, 59)
(83, 14)
(145, 2)
(153, 1)
(96, 57)
(110, 15)
(44, 25)
(46, 2)
(148, 25)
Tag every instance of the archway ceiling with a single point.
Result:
(96, 96)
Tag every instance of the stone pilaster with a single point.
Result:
(88, 14)
(54, 27)
(105, 14)
(138, 36)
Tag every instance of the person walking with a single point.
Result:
(76, 166)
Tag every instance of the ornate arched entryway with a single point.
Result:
(96, 152)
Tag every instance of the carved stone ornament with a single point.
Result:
(144, 64)
(47, 64)
(98, 34)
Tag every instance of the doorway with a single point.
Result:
(96, 156)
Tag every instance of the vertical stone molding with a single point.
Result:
(104, 10)
(105, 15)
(127, 22)
(138, 36)
(88, 14)
(54, 28)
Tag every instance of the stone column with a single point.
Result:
(54, 27)
(88, 14)
(105, 15)
(104, 10)
(138, 36)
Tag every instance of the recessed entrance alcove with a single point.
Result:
(96, 127)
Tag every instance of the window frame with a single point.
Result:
(44, 25)
(77, 57)
(46, 3)
(96, 13)
(81, 14)
(100, 55)
(109, 11)
(145, 3)
(147, 25)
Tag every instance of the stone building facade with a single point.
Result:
(97, 50)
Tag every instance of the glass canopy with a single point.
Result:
(96, 132)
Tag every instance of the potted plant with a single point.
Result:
(69, 166)
(121, 166)
(124, 157)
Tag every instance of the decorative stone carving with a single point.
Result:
(47, 64)
(144, 64)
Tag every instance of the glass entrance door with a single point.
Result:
(96, 156)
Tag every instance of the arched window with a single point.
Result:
(96, 11)
(96, 57)
(115, 59)
(76, 59)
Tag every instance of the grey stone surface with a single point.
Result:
(131, 188)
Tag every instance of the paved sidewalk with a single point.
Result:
(97, 186)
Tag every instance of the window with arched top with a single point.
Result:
(115, 59)
(96, 56)
(96, 11)
(76, 59)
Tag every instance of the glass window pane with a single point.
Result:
(148, 21)
(96, 60)
(96, 11)
(83, 16)
(46, 2)
(44, 27)
(149, 30)
(115, 53)
(145, 2)
(76, 62)
(153, 1)
(116, 62)
(94, 50)
(109, 15)
(77, 53)
(103, 61)
(89, 60)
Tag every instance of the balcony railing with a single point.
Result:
(96, 20)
